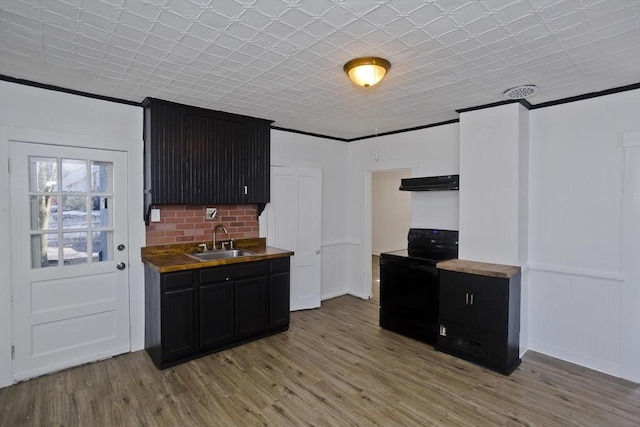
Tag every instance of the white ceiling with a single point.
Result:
(282, 59)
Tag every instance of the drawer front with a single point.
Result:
(479, 346)
(177, 280)
(232, 272)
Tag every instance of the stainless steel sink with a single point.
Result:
(223, 254)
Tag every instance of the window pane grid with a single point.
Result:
(71, 204)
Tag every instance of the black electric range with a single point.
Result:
(409, 283)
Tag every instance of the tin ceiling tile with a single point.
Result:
(282, 60)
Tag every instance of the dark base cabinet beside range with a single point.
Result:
(480, 313)
(192, 313)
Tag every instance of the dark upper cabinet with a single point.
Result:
(210, 151)
(164, 153)
(253, 170)
(199, 156)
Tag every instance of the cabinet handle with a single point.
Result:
(246, 190)
(471, 299)
(466, 298)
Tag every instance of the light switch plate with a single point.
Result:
(210, 213)
(155, 215)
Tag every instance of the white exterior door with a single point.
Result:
(69, 254)
(294, 224)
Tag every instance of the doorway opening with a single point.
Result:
(390, 219)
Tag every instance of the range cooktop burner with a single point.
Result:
(432, 244)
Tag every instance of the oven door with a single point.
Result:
(410, 290)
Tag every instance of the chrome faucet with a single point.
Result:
(224, 229)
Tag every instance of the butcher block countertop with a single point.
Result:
(479, 268)
(168, 258)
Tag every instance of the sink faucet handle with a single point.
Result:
(203, 246)
(224, 245)
(231, 241)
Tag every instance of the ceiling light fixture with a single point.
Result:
(521, 92)
(367, 71)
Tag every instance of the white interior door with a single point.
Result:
(294, 224)
(68, 255)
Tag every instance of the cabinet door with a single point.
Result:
(251, 306)
(216, 313)
(211, 172)
(253, 154)
(279, 297)
(177, 323)
(454, 297)
(164, 155)
(490, 304)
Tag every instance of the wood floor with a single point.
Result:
(335, 366)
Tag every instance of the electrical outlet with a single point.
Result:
(210, 213)
(155, 215)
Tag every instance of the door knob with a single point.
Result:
(121, 247)
(317, 251)
(121, 266)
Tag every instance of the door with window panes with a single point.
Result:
(69, 256)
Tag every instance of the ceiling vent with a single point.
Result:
(521, 92)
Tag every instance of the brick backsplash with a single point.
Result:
(185, 223)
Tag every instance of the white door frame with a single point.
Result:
(382, 166)
(136, 229)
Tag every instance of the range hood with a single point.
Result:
(431, 183)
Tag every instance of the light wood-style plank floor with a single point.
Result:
(335, 366)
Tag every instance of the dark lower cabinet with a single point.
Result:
(251, 306)
(480, 319)
(178, 306)
(196, 312)
(279, 294)
(169, 313)
(217, 317)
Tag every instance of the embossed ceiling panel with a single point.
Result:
(282, 59)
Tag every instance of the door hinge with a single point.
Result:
(13, 352)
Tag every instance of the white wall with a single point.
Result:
(297, 150)
(66, 119)
(491, 183)
(391, 211)
(427, 152)
(583, 300)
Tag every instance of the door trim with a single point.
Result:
(363, 289)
